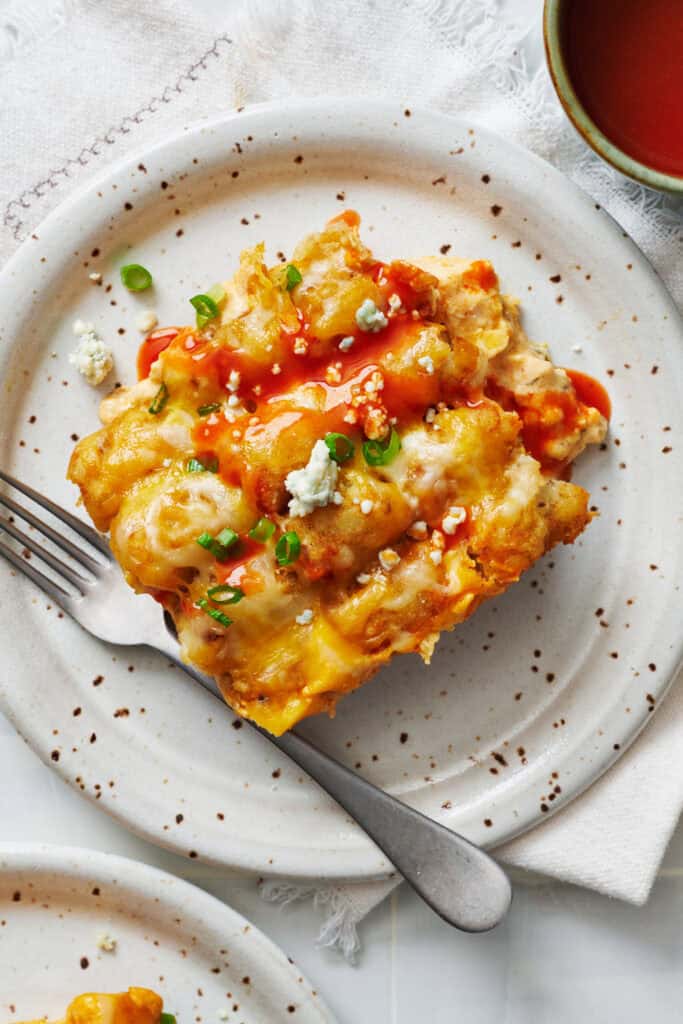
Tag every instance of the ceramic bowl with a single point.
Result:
(553, 17)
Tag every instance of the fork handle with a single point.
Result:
(458, 880)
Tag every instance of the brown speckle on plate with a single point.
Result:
(496, 210)
(85, 963)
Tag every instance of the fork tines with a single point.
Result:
(92, 563)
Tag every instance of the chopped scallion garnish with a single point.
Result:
(135, 277)
(215, 613)
(378, 454)
(292, 277)
(262, 531)
(206, 410)
(206, 309)
(167, 1018)
(206, 466)
(340, 446)
(218, 546)
(217, 293)
(227, 537)
(159, 400)
(288, 548)
(225, 594)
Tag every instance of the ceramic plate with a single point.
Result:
(524, 705)
(205, 960)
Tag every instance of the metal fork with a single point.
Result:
(459, 881)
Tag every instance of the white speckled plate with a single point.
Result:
(203, 958)
(523, 706)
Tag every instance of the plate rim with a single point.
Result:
(356, 862)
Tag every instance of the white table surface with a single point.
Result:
(563, 955)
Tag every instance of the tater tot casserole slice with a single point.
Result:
(341, 459)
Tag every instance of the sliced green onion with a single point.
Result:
(227, 537)
(262, 531)
(288, 548)
(340, 446)
(217, 293)
(197, 466)
(219, 616)
(206, 309)
(206, 410)
(378, 454)
(167, 1018)
(135, 277)
(292, 277)
(218, 546)
(225, 594)
(159, 400)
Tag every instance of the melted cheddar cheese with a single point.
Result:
(136, 1006)
(425, 366)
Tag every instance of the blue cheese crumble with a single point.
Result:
(370, 318)
(315, 485)
(91, 356)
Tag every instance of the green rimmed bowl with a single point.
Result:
(553, 17)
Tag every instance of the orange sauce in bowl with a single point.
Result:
(625, 61)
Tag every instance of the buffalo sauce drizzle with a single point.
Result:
(336, 378)
(152, 347)
(550, 415)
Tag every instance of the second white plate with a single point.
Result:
(205, 960)
(524, 705)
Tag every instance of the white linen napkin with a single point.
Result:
(85, 81)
